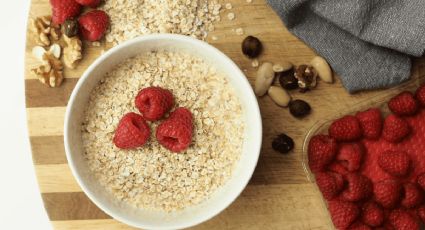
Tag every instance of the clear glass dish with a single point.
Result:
(321, 127)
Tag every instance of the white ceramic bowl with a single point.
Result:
(149, 219)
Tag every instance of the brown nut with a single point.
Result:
(70, 27)
(323, 69)
(72, 53)
(50, 72)
(299, 108)
(279, 96)
(287, 79)
(252, 47)
(283, 143)
(41, 26)
(306, 76)
(265, 76)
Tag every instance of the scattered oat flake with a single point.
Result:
(214, 38)
(231, 16)
(249, 1)
(96, 44)
(239, 31)
(132, 18)
(228, 6)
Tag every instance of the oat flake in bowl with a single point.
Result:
(152, 176)
(150, 187)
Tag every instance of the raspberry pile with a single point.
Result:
(174, 133)
(92, 25)
(371, 170)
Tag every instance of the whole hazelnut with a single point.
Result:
(251, 47)
(299, 108)
(70, 27)
(287, 79)
(283, 143)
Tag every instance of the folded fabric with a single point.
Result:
(368, 43)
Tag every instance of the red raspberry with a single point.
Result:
(413, 196)
(402, 220)
(421, 181)
(337, 167)
(387, 193)
(89, 3)
(346, 129)
(321, 152)
(330, 184)
(420, 95)
(182, 113)
(93, 25)
(343, 213)
(64, 9)
(396, 163)
(371, 123)
(421, 213)
(359, 226)
(403, 104)
(154, 102)
(372, 214)
(176, 132)
(350, 155)
(132, 132)
(358, 188)
(395, 129)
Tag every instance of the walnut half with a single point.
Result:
(306, 76)
(72, 51)
(50, 72)
(44, 30)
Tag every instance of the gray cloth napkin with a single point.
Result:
(368, 43)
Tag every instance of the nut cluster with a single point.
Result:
(290, 77)
(58, 41)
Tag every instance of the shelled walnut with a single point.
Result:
(72, 51)
(50, 72)
(306, 76)
(44, 30)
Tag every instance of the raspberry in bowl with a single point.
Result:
(368, 164)
(157, 134)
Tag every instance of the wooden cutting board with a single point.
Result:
(279, 195)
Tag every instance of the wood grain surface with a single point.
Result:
(279, 195)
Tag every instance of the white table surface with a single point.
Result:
(20, 201)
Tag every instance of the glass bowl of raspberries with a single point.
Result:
(160, 134)
(368, 163)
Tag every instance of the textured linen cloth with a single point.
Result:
(368, 43)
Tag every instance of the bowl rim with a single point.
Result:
(199, 44)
